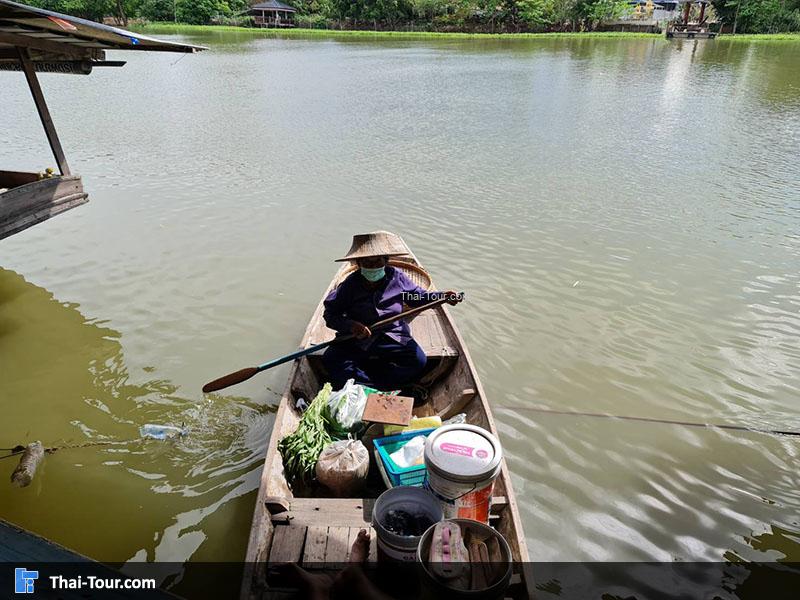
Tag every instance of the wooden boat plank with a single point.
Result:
(287, 544)
(31, 203)
(337, 549)
(426, 328)
(316, 542)
(373, 546)
(336, 512)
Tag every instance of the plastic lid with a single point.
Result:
(463, 453)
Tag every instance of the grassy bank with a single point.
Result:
(156, 28)
(763, 37)
(179, 28)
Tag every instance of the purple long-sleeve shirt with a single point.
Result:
(352, 301)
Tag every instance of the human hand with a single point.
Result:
(360, 331)
(454, 298)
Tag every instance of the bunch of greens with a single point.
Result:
(301, 449)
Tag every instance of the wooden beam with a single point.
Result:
(44, 114)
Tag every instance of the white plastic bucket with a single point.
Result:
(462, 463)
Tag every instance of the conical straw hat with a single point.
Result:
(377, 243)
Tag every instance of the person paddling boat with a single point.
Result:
(391, 359)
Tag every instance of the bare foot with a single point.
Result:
(360, 550)
(352, 583)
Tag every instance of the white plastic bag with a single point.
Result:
(345, 407)
(411, 453)
(343, 466)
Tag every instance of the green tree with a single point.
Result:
(200, 12)
(759, 16)
(157, 10)
(598, 11)
(535, 14)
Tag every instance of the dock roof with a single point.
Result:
(56, 35)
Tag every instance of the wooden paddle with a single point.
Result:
(245, 374)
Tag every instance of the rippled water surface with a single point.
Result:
(624, 216)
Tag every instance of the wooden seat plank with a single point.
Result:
(330, 512)
(427, 329)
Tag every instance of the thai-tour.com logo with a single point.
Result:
(23, 580)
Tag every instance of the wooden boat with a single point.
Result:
(312, 530)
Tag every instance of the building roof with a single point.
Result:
(273, 5)
(54, 35)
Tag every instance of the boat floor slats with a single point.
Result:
(318, 546)
(337, 550)
(316, 543)
(287, 544)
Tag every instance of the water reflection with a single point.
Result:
(622, 214)
(65, 381)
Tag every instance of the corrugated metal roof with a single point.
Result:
(55, 33)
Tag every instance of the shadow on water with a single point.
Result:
(65, 382)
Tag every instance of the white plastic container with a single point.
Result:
(462, 463)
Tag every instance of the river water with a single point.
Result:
(624, 216)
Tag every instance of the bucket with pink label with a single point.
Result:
(462, 463)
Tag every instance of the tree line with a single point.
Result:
(489, 16)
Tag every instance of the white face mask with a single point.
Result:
(373, 275)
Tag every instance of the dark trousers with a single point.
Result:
(385, 365)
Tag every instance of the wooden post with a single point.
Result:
(41, 106)
(26, 469)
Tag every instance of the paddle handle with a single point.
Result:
(342, 338)
(245, 374)
(408, 313)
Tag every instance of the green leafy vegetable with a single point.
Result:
(301, 449)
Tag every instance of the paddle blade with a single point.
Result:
(229, 380)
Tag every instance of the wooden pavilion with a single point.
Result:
(35, 40)
(692, 30)
(272, 13)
